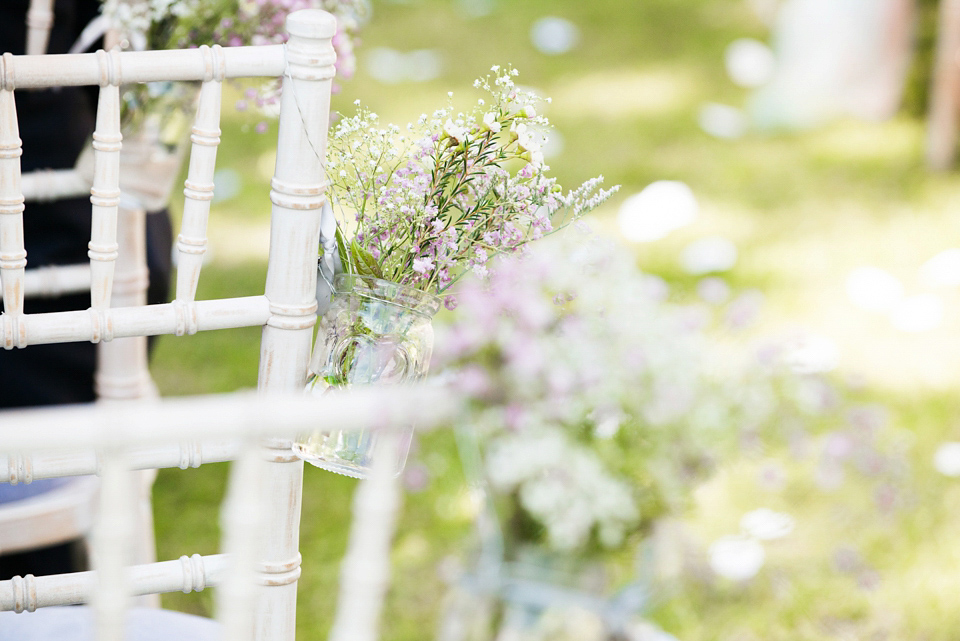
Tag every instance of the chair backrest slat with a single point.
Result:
(27, 468)
(186, 574)
(198, 189)
(105, 192)
(167, 318)
(84, 69)
(13, 256)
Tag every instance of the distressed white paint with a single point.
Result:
(147, 431)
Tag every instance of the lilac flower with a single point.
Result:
(446, 193)
(422, 265)
(261, 22)
(558, 356)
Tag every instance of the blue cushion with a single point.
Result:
(75, 623)
(10, 493)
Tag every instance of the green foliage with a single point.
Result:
(804, 210)
(362, 262)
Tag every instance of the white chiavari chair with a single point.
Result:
(117, 317)
(254, 595)
(59, 512)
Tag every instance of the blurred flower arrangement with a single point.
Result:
(168, 24)
(600, 405)
(156, 116)
(440, 198)
(424, 207)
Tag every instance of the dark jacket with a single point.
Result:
(54, 127)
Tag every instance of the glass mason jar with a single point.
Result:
(375, 332)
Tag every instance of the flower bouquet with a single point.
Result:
(156, 116)
(420, 207)
(598, 406)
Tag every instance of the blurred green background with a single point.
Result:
(802, 209)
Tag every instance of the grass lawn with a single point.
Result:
(803, 211)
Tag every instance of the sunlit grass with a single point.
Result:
(803, 210)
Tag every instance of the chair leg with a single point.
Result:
(122, 373)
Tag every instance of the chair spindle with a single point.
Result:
(13, 256)
(198, 188)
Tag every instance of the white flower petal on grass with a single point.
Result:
(766, 525)
(553, 35)
(737, 558)
(553, 145)
(943, 270)
(873, 289)
(749, 62)
(391, 66)
(386, 65)
(662, 207)
(812, 354)
(722, 121)
(713, 290)
(710, 254)
(228, 183)
(946, 460)
(422, 65)
(918, 314)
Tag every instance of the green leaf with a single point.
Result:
(345, 259)
(363, 261)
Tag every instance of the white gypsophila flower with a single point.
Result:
(766, 525)
(946, 460)
(490, 122)
(563, 486)
(737, 558)
(608, 377)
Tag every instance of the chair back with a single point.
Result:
(249, 581)
(285, 309)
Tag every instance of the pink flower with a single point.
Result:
(422, 265)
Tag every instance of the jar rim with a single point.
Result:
(416, 300)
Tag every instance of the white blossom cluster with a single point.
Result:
(440, 197)
(137, 17)
(169, 24)
(600, 403)
(564, 486)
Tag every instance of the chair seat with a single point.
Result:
(75, 623)
(61, 513)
